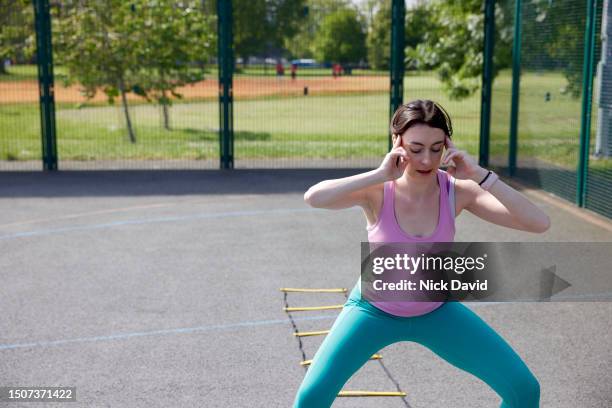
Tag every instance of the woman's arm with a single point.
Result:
(344, 192)
(501, 204)
(349, 191)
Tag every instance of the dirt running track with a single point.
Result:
(244, 87)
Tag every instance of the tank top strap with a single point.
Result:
(443, 184)
(389, 191)
(443, 181)
(451, 194)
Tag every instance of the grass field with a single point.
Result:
(29, 72)
(339, 126)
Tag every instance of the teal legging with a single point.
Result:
(452, 331)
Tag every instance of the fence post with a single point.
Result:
(487, 79)
(226, 67)
(44, 60)
(603, 141)
(516, 88)
(396, 66)
(587, 99)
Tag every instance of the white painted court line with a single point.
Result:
(230, 326)
(141, 221)
(185, 330)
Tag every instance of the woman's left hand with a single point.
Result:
(465, 167)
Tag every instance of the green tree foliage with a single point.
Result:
(418, 21)
(16, 31)
(453, 44)
(139, 46)
(341, 37)
(95, 41)
(263, 24)
(286, 16)
(175, 38)
(379, 37)
(249, 28)
(553, 39)
(302, 44)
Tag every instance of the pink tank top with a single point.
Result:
(387, 229)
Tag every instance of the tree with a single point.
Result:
(453, 44)
(16, 31)
(249, 29)
(301, 45)
(147, 48)
(553, 39)
(95, 41)
(379, 37)
(263, 24)
(417, 23)
(341, 37)
(175, 39)
(286, 16)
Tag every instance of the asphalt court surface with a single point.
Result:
(157, 289)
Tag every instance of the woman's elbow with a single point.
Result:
(310, 198)
(541, 226)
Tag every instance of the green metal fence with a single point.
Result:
(548, 105)
(598, 173)
(535, 115)
(143, 128)
(20, 131)
(549, 119)
(502, 84)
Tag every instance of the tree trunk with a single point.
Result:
(165, 110)
(126, 111)
(164, 101)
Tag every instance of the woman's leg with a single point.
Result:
(463, 339)
(355, 335)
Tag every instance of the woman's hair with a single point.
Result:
(420, 111)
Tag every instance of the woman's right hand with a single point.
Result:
(353, 190)
(395, 162)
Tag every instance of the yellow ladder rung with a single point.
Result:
(313, 333)
(304, 308)
(374, 357)
(371, 394)
(333, 290)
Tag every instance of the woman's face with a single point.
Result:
(424, 145)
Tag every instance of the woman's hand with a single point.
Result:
(395, 162)
(464, 166)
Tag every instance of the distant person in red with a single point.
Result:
(336, 70)
(294, 68)
(280, 70)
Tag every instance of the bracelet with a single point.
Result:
(486, 177)
(489, 180)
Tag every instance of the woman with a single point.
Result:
(409, 199)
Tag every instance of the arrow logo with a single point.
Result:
(551, 283)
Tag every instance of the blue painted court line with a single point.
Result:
(142, 221)
(255, 323)
(186, 330)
